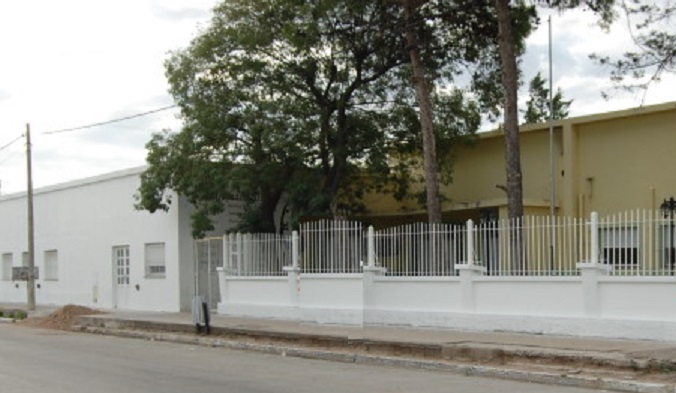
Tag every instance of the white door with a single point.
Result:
(121, 277)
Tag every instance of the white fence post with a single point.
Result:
(222, 274)
(371, 271)
(594, 236)
(371, 247)
(591, 270)
(295, 251)
(467, 271)
(470, 243)
(293, 274)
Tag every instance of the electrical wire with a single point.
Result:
(11, 143)
(109, 121)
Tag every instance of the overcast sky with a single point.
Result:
(69, 63)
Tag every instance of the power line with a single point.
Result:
(11, 143)
(110, 121)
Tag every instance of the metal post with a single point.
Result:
(671, 239)
(31, 231)
(667, 208)
(552, 172)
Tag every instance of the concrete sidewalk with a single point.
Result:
(480, 346)
(614, 364)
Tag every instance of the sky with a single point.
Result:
(71, 63)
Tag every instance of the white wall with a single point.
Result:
(536, 296)
(638, 298)
(83, 220)
(331, 298)
(623, 307)
(420, 294)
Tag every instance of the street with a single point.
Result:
(36, 361)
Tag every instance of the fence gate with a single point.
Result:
(209, 256)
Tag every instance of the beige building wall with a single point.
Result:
(608, 163)
(626, 163)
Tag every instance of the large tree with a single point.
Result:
(287, 100)
(276, 97)
(538, 104)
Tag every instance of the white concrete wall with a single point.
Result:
(638, 298)
(535, 296)
(624, 307)
(419, 294)
(331, 298)
(266, 297)
(84, 220)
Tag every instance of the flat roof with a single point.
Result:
(135, 171)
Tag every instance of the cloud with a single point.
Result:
(178, 13)
(4, 95)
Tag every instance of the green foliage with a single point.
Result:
(308, 104)
(537, 106)
(652, 28)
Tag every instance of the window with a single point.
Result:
(51, 265)
(7, 266)
(154, 259)
(620, 246)
(121, 264)
(24, 259)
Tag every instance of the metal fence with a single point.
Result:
(332, 246)
(630, 243)
(420, 249)
(639, 242)
(258, 254)
(535, 245)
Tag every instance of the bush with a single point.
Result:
(20, 314)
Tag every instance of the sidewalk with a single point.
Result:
(481, 346)
(615, 364)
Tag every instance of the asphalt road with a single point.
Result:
(37, 361)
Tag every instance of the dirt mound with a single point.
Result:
(61, 319)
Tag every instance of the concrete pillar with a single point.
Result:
(591, 271)
(293, 274)
(467, 273)
(222, 285)
(371, 271)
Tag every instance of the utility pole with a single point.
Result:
(31, 233)
(552, 169)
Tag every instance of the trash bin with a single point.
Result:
(200, 314)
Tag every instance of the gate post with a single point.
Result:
(293, 275)
(370, 272)
(590, 272)
(467, 271)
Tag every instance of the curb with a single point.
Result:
(548, 378)
(453, 351)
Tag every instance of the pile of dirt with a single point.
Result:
(61, 319)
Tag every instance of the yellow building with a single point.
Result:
(607, 163)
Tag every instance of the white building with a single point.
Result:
(93, 248)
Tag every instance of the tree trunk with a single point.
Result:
(511, 126)
(422, 93)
